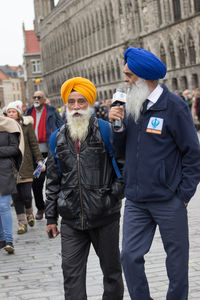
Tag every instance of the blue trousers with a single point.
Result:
(6, 224)
(140, 222)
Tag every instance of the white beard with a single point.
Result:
(136, 95)
(78, 126)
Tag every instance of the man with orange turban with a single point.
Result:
(84, 190)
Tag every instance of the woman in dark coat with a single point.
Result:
(23, 198)
(11, 152)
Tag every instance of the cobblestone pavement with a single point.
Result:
(34, 271)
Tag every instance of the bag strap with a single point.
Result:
(104, 127)
(52, 145)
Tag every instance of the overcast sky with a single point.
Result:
(12, 15)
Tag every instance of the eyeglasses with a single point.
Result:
(37, 97)
(81, 102)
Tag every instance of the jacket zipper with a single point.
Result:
(137, 157)
(80, 192)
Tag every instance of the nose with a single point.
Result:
(76, 105)
(126, 79)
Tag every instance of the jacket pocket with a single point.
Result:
(163, 177)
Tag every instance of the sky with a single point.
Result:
(13, 14)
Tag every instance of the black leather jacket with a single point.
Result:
(87, 193)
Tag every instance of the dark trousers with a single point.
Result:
(140, 221)
(75, 250)
(23, 198)
(37, 186)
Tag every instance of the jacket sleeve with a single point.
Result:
(118, 186)
(12, 150)
(34, 144)
(52, 189)
(186, 139)
(118, 140)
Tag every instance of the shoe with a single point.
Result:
(2, 244)
(30, 220)
(9, 247)
(22, 228)
(39, 215)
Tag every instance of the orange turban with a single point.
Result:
(81, 85)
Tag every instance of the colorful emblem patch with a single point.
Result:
(155, 125)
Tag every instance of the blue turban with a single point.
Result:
(144, 64)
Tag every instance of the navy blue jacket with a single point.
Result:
(54, 120)
(162, 152)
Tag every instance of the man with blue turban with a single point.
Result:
(161, 173)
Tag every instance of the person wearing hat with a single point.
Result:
(11, 155)
(46, 120)
(86, 193)
(22, 198)
(161, 173)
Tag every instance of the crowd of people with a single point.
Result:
(153, 160)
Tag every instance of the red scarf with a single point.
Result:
(42, 138)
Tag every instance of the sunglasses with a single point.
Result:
(37, 97)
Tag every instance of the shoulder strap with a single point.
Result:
(104, 127)
(52, 145)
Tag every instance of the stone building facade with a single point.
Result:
(88, 38)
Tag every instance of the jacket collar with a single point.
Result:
(161, 104)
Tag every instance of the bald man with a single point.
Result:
(84, 190)
(46, 120)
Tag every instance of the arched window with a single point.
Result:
(118, 70)
(120, 7)
(163, 54)
(103, 74)
(184, 83)
(108, 72)
(177, 10)
(172, 54)
(192, 52)
(174, 84)
(181, 52)
(197, 5)
(195, 81)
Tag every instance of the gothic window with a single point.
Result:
(103, 74)
(163, 54)
(181, 52)
(159, 13)
(108, 29)
(93, 33)
(118, 70)
(184, 83)
(98, 75)
(172, 54)
(195, 81)
(197, 5)
(108, 72)
(177, 10)
(120, 7)
(94, 75)
(112, 22)
(174, 84)
(192, 52)
(113, 71)
(167, 14)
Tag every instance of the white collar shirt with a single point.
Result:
(154, 96)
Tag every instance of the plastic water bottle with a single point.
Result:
(40, 165)
(119, 98)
